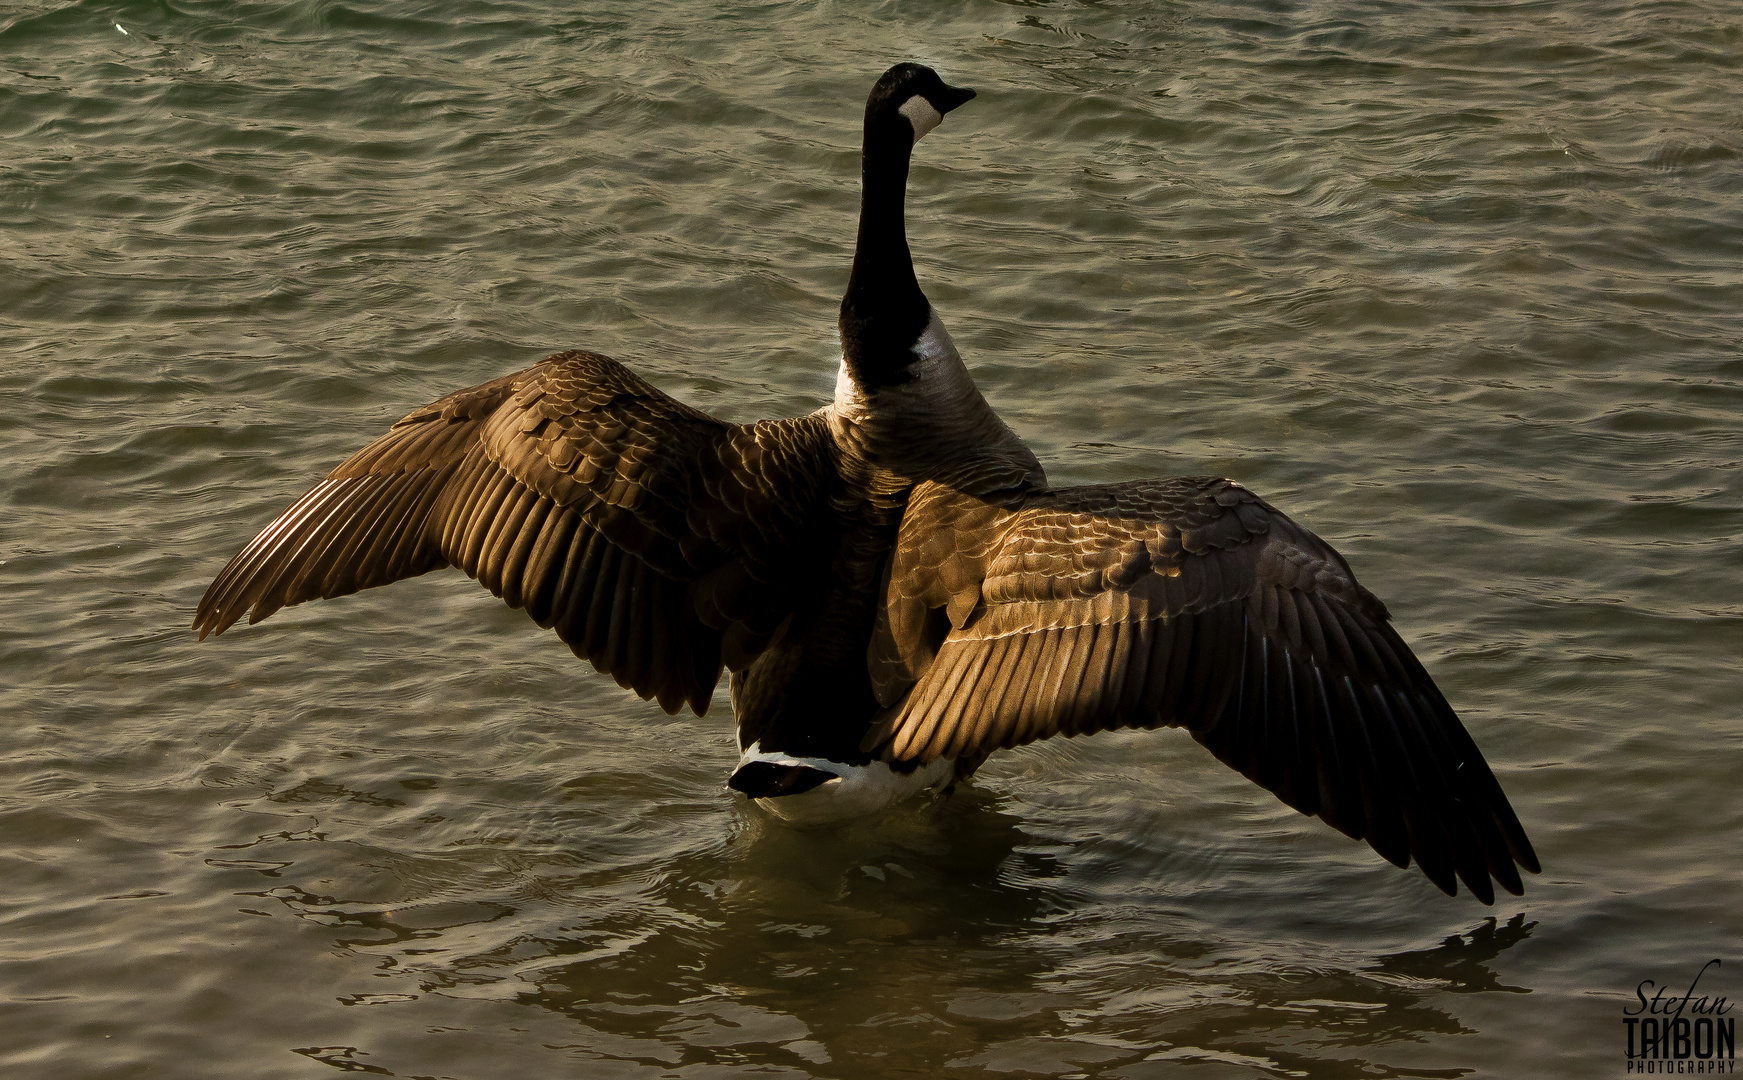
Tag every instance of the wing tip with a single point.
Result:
(210, 621)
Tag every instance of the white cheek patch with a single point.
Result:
(921, 114)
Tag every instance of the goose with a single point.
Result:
(892, 584)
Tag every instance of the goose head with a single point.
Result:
(913, 93)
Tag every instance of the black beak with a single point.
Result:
(951, 98)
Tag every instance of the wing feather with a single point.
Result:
(1186, 602)
(658, 542)
(988, 694)
(1092, 678)
(548, 564)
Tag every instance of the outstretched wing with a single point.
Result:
(659, 542)
(1183, 602)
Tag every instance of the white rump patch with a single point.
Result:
(921, 114)
(856, 791)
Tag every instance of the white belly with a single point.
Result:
(856, 791)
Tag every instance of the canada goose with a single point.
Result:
(894, 587)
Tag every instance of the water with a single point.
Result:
(1456, 285)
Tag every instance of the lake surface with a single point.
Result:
(1457, 286)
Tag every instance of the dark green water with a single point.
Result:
(1455, 285)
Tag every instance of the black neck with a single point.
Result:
(884, 312)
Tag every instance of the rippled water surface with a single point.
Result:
(1455, 285)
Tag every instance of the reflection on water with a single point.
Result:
(945, 932)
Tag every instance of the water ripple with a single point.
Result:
(1455, 285)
